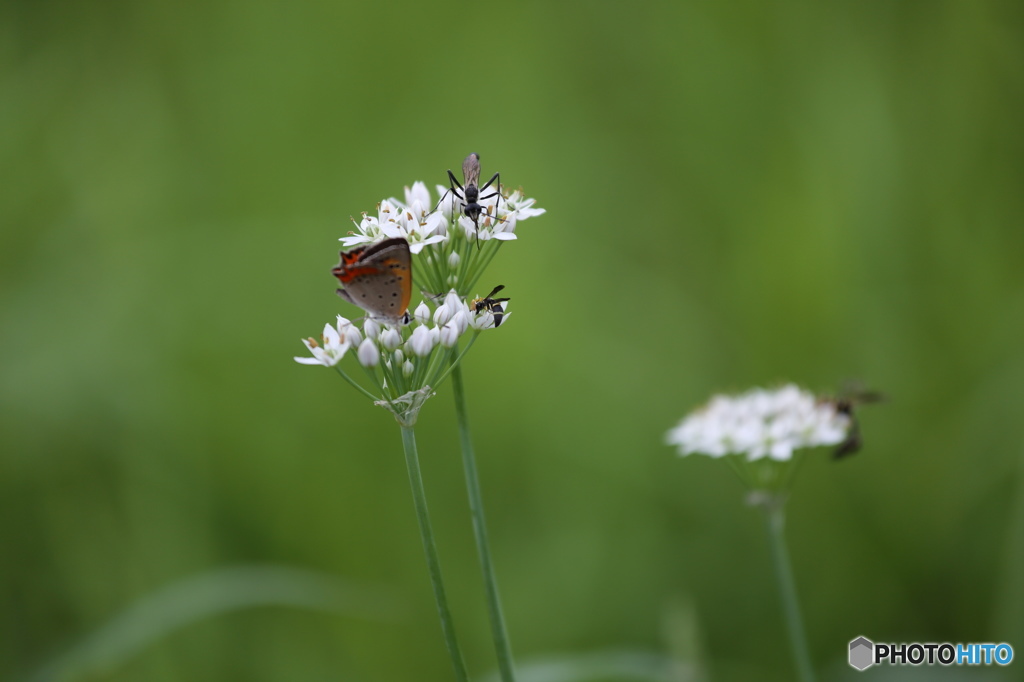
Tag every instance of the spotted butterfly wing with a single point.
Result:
(377, 278)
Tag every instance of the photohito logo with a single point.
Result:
(864, 653)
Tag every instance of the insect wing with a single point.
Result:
(378, 278)
(471, 169)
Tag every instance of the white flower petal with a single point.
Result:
(308, 361)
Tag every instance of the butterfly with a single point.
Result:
(378, 279)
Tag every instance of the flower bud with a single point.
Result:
(391, 338)
(442, 315)
(454, 260)
(368, 354)
(461, 320)
(371, 329)
(422, 313)
(453, 301)
(449, 334)
(408, 368)
(421, 342)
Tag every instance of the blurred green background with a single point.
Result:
(738, 193)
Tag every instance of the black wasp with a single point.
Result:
(470, 194)
(488, 302)
(845, 405)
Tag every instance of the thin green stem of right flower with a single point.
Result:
(774, 521)
(502, 648)
(433, 564)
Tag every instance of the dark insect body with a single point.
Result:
(470, 193)
(845, 405)
(492, 304)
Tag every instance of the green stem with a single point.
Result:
(455, 364)
(775, 520)
(484, 261)
(476, 506)
(433, 565)
(354, 383)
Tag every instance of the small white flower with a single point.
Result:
(482, 320)
(760, 423)
(368, 354)
(421, 342)
(506, 227)
(328, 355)
(422, 313)
(454, 260)
(371, 328)
(399, 356)
(391, 338)
(489, 227)
(408, 368)
(522, 207)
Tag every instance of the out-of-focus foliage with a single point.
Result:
(738, 193)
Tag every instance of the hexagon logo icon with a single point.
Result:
(862, 653)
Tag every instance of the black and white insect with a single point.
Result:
(845, 405)
(470, 194)
(492, 304)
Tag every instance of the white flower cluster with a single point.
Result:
(760, 423)
(414, 219)
(400, 347)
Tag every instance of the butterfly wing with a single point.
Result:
(378, 278)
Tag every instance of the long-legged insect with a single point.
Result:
(488, 302)
(470, 194)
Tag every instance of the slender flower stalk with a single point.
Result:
(775, 520)
(502, 647)
(762, 434)
(433, 564)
